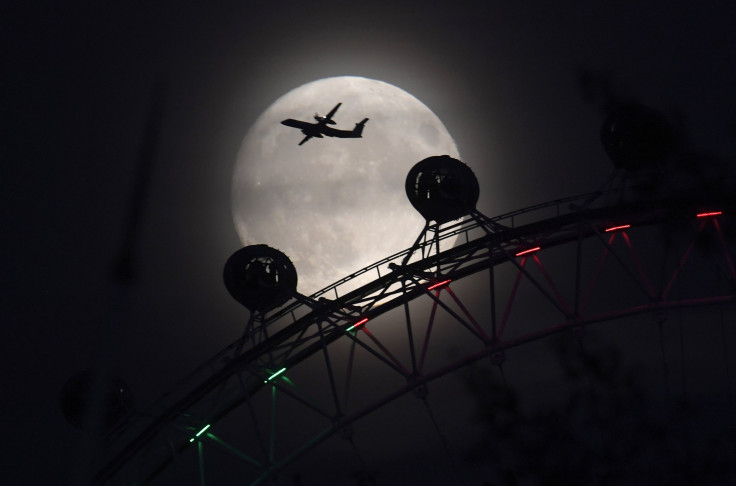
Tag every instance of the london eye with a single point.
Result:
(310, 371)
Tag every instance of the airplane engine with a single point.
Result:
(323, 120)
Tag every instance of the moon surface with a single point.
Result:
(335, 205)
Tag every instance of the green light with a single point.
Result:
(275, 375)
(200, 432)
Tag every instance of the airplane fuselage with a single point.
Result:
(318, 130)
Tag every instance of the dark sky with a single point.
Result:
(77, 85)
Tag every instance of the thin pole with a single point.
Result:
(273, 425)
(200, 452)
(328, 364)
(349, 373)
(252, 414)
(425, 346)
(493, 301)
(511, 298)
(409, 331)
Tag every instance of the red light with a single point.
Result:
(616, 228)
(530, 250)
(712, 213)
(358, 324)
(439, 284)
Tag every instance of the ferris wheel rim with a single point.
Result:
(650, 215)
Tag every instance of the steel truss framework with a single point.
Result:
(649, 250)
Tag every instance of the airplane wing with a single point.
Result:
(297, 123)
(305, 139)
(332, 112)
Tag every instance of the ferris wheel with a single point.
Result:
(309, 370)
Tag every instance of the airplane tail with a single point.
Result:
(358, 130)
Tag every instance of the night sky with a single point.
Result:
(78, 84)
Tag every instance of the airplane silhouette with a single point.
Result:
(321, 129)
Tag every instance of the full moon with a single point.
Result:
(335, 205)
